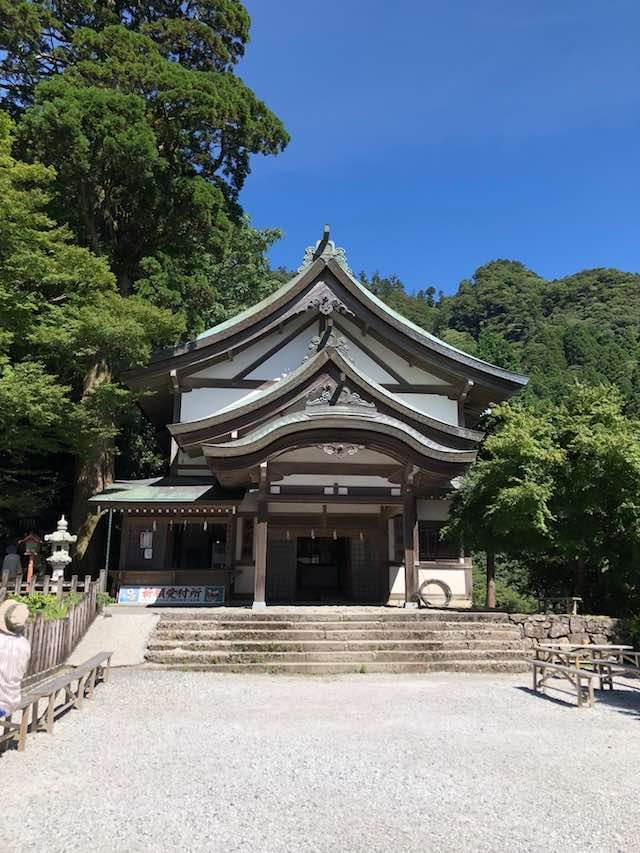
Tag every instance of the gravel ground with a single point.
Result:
(352, 763)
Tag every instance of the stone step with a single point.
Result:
(350, 656)
(223, 646)
(243, 627)
(207, 634)
(334, 615)
(333, 668)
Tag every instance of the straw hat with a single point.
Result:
(13, 617)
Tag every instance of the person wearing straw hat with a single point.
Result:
(15, 651)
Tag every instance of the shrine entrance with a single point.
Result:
(341, 561)
(322, 568)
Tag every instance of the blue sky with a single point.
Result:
(434, 137)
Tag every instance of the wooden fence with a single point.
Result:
(53, 640)
(44, 584)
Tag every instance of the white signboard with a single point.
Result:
(165, 596)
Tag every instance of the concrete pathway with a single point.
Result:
(123, 630)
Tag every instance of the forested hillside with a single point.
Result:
(584, 327)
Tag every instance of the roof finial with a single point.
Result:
(321, 245)
(324, 248)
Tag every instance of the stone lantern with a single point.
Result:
(60, 541)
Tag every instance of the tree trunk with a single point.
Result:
(94, 470)
(580, 580)
(491, 579)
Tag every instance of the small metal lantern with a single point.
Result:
(32, 543)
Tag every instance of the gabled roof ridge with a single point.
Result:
(323, 356)
(512, 376)
(309, 274)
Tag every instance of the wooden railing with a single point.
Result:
(44, 584)
(566, 604)
(53, 640)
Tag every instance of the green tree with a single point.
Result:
(61, 317)
(596, 502)
(37, 36)
(150, 155)
(150, 134)
(504, 503)
(557, 488)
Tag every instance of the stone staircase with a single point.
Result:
(334, 640)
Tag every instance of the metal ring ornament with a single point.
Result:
(422, 592)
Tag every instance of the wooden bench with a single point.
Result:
(84, 677)
(606, 669)
(544, 670)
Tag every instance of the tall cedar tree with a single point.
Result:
(60, 314)
(150, 133)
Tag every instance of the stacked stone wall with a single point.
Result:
(538, 627)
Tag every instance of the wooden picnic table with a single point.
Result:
(601, 658)
(572, 653)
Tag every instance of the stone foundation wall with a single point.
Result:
(552, 627)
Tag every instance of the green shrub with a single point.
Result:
(512, 593)
(103, 599)
(509, 599)
(50, 606)
(628, 630)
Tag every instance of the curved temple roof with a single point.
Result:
(302, 380)
(325, 256)
(300, 428)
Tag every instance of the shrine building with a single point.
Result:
(315, 439)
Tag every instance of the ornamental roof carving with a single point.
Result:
(321, 298)
(327, 249)
(294, 426)
(333, 339)
(330, 395)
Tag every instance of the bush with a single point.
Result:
(509, 599)
(511, 586)
(628, 630)
(50, 606)
(103, 599)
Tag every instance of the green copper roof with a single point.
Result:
(166, 490)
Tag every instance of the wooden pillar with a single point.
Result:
(409, 527)
(260, 534)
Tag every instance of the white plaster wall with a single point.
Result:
(458, 580)
(366, 364)
(409, 373)
(203, 402)
(286, 359)
(433, 510)
(396, 580)
(330, 479)
(353, 509)
(295, 509)
(436, 405)
(455, 578)
(227, 368)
